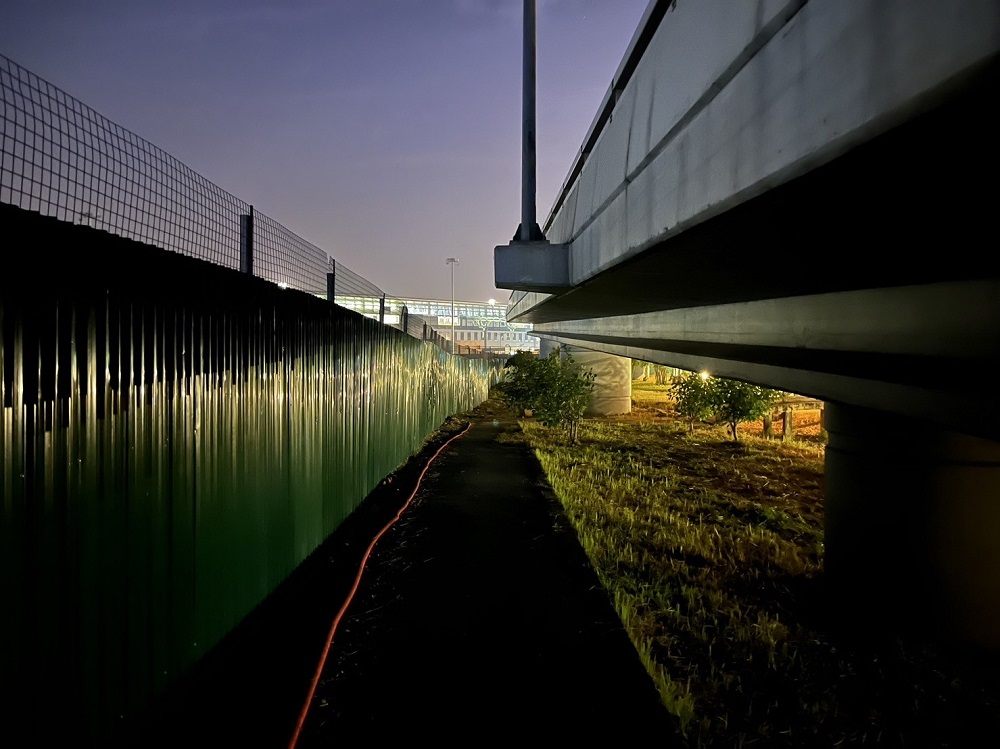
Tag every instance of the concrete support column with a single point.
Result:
(613, 386)
(546, 347)
(912, 525)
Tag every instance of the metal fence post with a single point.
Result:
(246, 243)
(381, 309)
(331, 283)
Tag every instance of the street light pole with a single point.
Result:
(486, 328)
(452, 261)
(528, 231)
(529, 262)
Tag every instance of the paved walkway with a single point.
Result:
(479, 619)
(482, 613)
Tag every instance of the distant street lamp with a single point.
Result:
(493, 304)
(452, 261)
(485, 324)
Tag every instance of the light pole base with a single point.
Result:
(532, 266)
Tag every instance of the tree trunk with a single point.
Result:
(691, 426)
(768, 426)
(733, 425)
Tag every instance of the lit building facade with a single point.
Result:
(477, 324)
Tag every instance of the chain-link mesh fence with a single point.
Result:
(63, 159)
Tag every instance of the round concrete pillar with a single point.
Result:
(913, 525)
(613, 387)
(546, 347)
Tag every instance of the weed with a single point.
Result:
(712, 554)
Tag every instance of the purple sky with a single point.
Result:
(385, 131)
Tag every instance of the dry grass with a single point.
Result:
(712, 554)
(643, 392)
(652, 403)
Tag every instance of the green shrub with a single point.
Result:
(556, 389)
(520, 360)
(697, 396)
(692, 394)
(734, 401)
(565, 389)
(517, 386)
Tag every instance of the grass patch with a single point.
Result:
(712, 553)
(653, 403)
(642, 391)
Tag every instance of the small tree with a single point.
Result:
(521, 360)
(693, 399)
(564, 389)
(518, 386)
(734, 401)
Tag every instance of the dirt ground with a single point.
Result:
(652, 403)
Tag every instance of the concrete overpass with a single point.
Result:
(797, 193)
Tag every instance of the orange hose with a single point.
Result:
(354, 589)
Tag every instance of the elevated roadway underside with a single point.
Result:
(871, 280)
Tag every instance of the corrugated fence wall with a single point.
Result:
(174, 439)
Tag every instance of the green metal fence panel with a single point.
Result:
(170, 450)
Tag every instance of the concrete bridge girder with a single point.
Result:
(730, 101)
(926, 351)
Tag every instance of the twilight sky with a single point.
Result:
(385, 131)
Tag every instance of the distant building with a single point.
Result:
(477, 324)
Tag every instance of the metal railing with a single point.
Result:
(349, 283)
(61, 158)
(417, 327)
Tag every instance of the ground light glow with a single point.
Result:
(704, 374)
